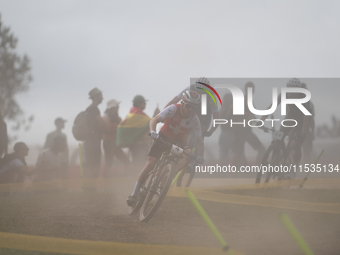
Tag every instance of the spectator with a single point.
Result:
(60, 125)
(3, 136)
(49, 162)
(112, 120)
(92, 144)
(133, 132)
(13, 166)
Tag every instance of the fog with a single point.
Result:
(153, 48)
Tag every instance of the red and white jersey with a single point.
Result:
(175, 127)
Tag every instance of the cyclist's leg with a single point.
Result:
(297, 151)
(307, 148)
(238, 148)
(149, 165)
(155, 153)
(182, 164)
(256, 144)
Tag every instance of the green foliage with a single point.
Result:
(15, 78)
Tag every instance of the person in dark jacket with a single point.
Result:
(13, 167)
(92, 144)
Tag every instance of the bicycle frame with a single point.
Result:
(166, 158)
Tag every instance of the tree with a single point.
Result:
(15, 78)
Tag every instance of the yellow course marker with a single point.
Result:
(257, 201)
(176, 178)
(295, 234)
(208, 220)
(306, 178)
(180, 172)
(87, 247)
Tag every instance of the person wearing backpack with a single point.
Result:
(13, 167)
(96, 129)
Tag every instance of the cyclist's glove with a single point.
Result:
(154, 135)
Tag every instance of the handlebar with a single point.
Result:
(176, 150)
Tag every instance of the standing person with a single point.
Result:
(60, 125)
(13, 166)
(133, 131)
(92, 144)
(3, 136)
(49, 162)
(112, 121)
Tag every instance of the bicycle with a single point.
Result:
(157, 184)
(278, 153)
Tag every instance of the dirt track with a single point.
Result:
(103, 216)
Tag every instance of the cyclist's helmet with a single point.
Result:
(191, 97)
(202, 80)
(294, 82)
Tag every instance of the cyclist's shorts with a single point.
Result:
(158, 148)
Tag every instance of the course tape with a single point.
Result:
(257, 201)
(327, 182)
(70, 246)
(77, 184)
(70, 184)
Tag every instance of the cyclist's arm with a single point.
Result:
(177, 98)
(216, 115)
(154, 121)
(173, 101)
(168, 112)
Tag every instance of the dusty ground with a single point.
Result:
(103, 216)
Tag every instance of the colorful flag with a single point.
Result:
(132, 127)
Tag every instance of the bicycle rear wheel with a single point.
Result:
(271, 157)
(156, 193)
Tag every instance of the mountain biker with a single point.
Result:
(307, 146)
(212, 111)
(179, 120)
(303, 121)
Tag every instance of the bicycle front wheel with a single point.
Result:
(141, 196)
(156, 193)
